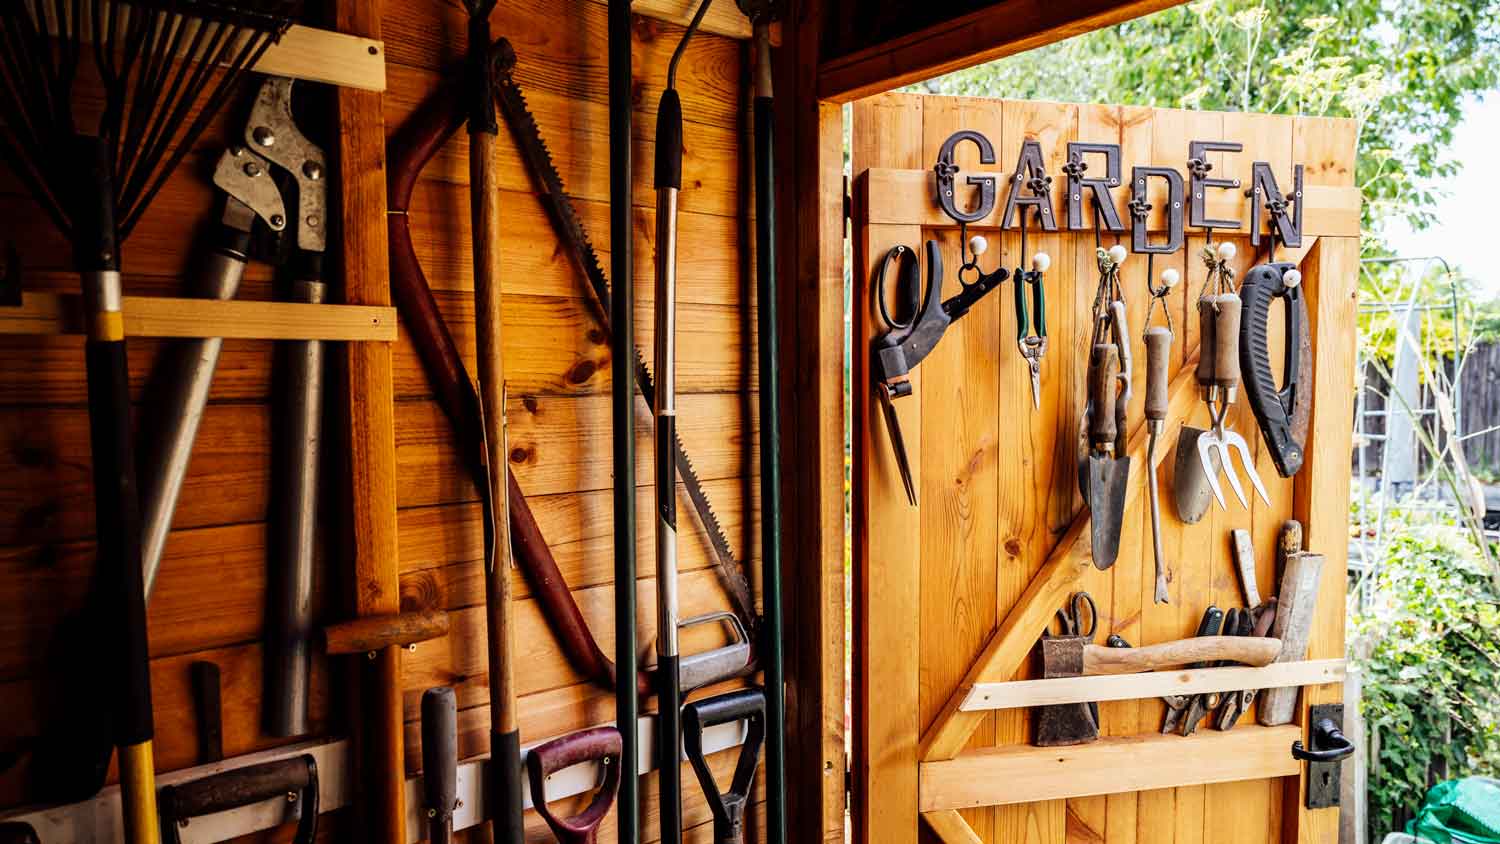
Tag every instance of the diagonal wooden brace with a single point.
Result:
(1070, 558)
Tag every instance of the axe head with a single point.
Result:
(1064, 723)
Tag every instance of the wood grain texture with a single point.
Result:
(45, 313)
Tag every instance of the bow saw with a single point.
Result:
(410, 150)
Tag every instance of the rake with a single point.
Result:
(166, 67)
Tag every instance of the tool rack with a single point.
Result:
(952, 595)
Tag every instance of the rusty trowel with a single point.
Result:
(1105, 472)
(1075, 656)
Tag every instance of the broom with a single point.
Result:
(155, 60)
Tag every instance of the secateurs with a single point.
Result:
(907, 341)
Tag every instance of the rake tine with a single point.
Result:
(1238, 443)
(1206, 443)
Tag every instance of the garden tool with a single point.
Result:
(621, 98)
(18, 832)
(1177, 705)
(912, 335)
(601, 745)
(1068, 656)
(1296, 606)
(160, 91)
(728, 807)
(503, 794)
(1104, 467)
(762, 13)
(1031, 334)
(669, 694)
(1068, 723)
(1158, 341)
(1236, 623)
(292, 780)
(1238, 703)
(1283, 415)
(440, 761)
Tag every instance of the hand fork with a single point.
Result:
(1226, 336)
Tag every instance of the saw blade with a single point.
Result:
(564, 217)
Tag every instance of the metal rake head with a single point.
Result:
(166, 67)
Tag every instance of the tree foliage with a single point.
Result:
(1402, 69)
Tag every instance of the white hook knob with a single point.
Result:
(1118, 253)
(1041, 261)
(1292, 278)
(1227, 251)
(978, 245)
(1170, 277)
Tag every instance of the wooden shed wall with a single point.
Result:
(210, 599)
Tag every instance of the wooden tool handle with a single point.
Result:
(1104, 367)
(1288, 541)
(375, 632)
(1227, 342)
(1206, 344)
(1158, 355)
(1243, 649)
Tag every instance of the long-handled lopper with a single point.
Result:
(503, 795)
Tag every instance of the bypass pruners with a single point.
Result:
(913, 333)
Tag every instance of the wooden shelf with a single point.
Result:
(160, 316)
(1022, 693)
(1024, 774)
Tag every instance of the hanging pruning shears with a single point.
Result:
(1031, 333)
(906, 341)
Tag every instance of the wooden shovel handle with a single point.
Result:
(1243, 649)
(1104, 367)
(1158, 356)
(1227, 342)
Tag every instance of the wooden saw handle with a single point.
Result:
(1248, 650)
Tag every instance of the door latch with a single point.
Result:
(1328, 747)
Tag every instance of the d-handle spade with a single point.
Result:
(728, 808)
(599, 744)
(294, 779)
(440, 761)
(1158, 354)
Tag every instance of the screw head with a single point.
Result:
(312, 170)
(263, 136)
(252, 169)
(313, 221)
(277, 221)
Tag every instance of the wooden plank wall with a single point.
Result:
(997, 481)
(209, 602)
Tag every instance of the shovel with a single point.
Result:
(1106, 473)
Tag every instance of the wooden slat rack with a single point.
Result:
(163, 316)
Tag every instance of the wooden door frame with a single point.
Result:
(813, 207)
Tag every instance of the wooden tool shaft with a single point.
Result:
(1104, 368)
(374, 632)
(1158, 358)
(1295, 609)
(1206, 342)
(1098, 659)
(1227, 342)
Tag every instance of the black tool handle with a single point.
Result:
(600, 744)
(18, 832)
(232, 789)
(1158, 357)
(208, 711)
(1325, 732)
(1104, 368)
(669, 141)
(1213, 620)
(728, 808)
(1274, 409)
(1207, 347)
(440, 761)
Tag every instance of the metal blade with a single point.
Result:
(574, 237)
(1222, 447)
(1106, 494)
(898, 445)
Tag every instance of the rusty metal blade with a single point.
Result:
(575, 239)
(1107, 478)
(898, 446)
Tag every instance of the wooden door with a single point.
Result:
(954, 592)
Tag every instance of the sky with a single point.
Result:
(1463, 232)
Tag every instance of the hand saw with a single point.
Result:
(570, 231)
